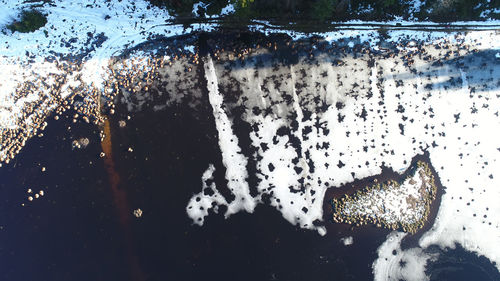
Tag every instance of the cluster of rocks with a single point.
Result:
(51, 97)
(64, 90)
(393, 205)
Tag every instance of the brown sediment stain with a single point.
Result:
(121, 203)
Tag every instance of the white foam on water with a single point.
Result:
(395, 264)
(448, 110)
(209, 198)
(347, 241)
(232, 158)
(466, 157)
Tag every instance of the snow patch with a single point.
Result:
(209, 198)
(347, 241)
(394, 264)
(232, 158)
(228, 10)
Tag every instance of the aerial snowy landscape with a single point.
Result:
(147, 141)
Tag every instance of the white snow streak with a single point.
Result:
(232, 158)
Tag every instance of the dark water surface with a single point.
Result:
(77, 230)
(74, 231)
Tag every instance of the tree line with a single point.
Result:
(338, 10)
